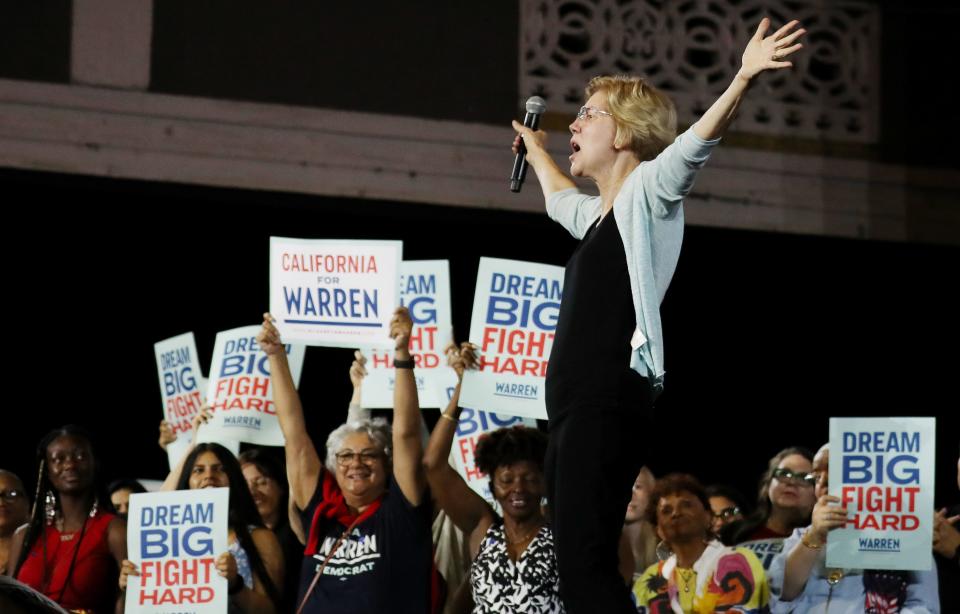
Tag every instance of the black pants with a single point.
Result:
(593, 458)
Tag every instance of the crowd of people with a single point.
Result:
(376, 519)
(684, 546)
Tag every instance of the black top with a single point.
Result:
(590, 359)
(384, 566)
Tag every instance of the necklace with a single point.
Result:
(834, 577)
(522, 540)
(687, 576)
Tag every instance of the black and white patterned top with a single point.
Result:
(529, 586)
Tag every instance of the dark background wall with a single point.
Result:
(767, 335)
(445, 60)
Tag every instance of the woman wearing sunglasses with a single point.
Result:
(606, 365)
(785, 500)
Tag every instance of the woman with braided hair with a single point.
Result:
(71, 548)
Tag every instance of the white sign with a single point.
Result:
(240, 391)
(334, 293)
(882, 470)
(181, 389)
(515, 311)
(425, 291)
(174, 539)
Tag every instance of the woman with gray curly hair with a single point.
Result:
(366, 512)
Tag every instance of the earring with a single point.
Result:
(49, 507)
(663, 551)
(93, 510)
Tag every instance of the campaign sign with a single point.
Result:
(882, 470)
(515, 311)
(181, 389)
(334, 293)
(240, 392)
(425, 291)
(174, 539)
(473, 424)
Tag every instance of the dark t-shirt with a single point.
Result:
(590, 359)
(383, 566)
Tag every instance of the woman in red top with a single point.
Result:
(72, 547)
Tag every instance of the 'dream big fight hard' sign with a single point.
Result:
(515, 311)
(240, 391)
(180, 389)
(174, 539)
(425, 291)
(334, 293)
(882, 470)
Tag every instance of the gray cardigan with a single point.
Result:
(649, 214)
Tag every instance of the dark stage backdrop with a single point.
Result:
(767, 335)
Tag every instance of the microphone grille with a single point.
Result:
(536, 105)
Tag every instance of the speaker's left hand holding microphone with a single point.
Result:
(535, 142)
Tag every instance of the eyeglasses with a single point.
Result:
(727, 513)
(591, 113)
(804, 479)
(367, 457)
(10, 495)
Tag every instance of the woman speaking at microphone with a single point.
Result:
(606, 366)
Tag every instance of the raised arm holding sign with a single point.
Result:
(368, 521)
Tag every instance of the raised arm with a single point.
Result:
(407, 443)
(358, 371)
(468, 511)
(303, 462)
(551, 178)
(762, 53)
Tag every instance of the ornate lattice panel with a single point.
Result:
(692, 49)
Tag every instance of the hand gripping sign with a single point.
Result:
(181, 389)
(334, 293)
(515, 311)
(425, 291)
(174, 539)
(240, 391)
(882, 471)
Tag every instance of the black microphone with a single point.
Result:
(535, 107)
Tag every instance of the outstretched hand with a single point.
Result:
(269, 337)
(358, 370)
(461, 358)
(401, 325)
(768, 52)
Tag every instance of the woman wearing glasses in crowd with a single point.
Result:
(14, 512)
(801, 581)
(785, 500)
(365, 508)
(72, 546)
(606, 366)
(727, 504)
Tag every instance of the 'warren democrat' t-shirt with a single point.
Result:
(382, 566)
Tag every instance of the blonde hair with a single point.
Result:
(646, 118)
